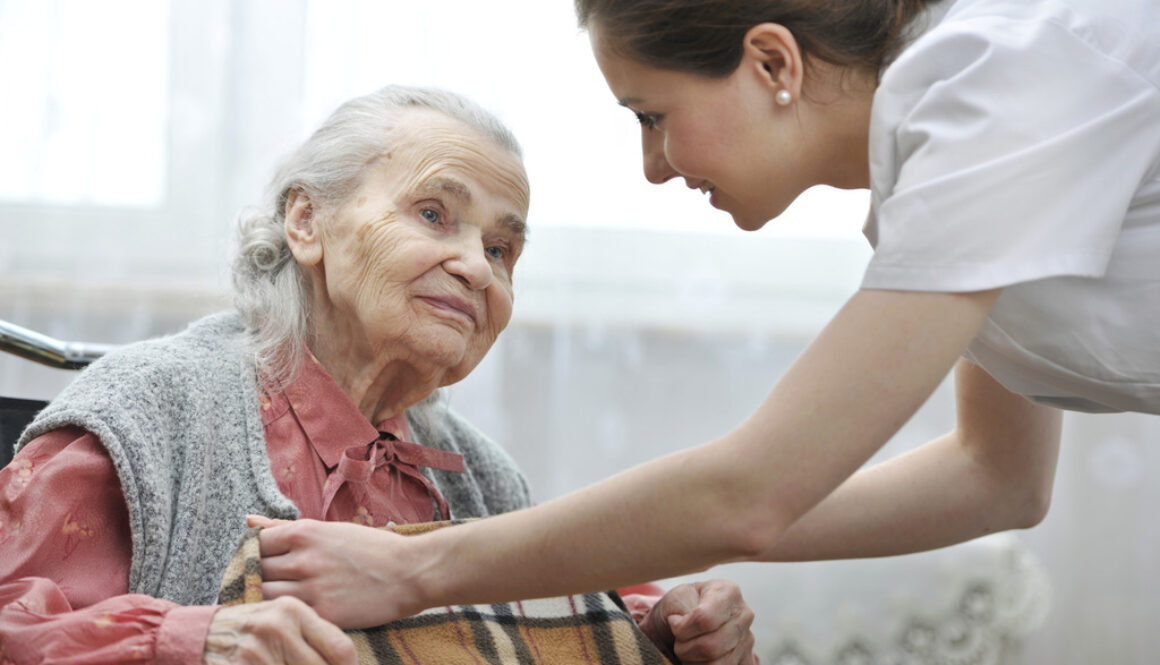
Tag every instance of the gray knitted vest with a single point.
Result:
(180, 419)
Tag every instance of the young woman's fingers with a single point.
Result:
(263, 521)
(280, 537)
(285, 589)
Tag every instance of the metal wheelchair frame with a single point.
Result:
(17, 412)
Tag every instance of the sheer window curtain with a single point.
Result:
(133, 131)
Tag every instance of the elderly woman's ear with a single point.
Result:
(302, 233)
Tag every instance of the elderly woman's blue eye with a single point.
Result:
(496, 252)
(430, 215)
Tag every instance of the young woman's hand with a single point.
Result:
(349, 574)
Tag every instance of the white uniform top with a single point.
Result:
(1016, 144)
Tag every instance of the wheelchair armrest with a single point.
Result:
(34, 346)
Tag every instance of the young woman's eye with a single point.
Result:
(430, 215)
(647, 119)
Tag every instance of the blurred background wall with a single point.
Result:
(132, 132)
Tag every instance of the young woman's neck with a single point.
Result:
(842, 99)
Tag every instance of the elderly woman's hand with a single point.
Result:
(275, 632)
(705, 622)
(350, 574)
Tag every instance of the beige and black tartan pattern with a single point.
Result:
(566, 630)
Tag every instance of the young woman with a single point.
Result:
(1012, 148)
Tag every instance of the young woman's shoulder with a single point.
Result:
(1124, 31)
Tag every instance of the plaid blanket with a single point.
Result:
(583, 629)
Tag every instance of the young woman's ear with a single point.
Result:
(772, 52)
(302, 229)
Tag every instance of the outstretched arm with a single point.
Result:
(993, 472)
(864, 376)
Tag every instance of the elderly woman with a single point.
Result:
(382, 272)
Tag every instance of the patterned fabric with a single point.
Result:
(566, 630)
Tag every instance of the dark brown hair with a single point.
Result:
(705, 37)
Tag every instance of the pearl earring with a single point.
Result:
(783, 97)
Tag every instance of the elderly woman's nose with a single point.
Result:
(469, 262)
(657, 169)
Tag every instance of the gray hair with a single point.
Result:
(269, 289)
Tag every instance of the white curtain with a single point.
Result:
(133, 131)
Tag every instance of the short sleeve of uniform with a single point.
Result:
(1004, 150)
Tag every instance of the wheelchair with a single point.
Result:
(17, 412)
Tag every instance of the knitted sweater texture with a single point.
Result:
(181, 421)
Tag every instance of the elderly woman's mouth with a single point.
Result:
(454, 306)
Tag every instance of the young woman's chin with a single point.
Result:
(752, 220)
(754, 217)
(744, 217)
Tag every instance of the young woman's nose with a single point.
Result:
(657, 169)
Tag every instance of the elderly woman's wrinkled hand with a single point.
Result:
(705, 622)
(278, 631)
(349, 574)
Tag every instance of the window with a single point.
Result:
(139, 128)
(90, 126)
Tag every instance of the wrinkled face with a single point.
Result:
(719, 134)
(418, 262)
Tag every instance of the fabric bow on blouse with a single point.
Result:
(324, 461)
(410, 494)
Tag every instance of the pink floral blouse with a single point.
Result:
(62, 517)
